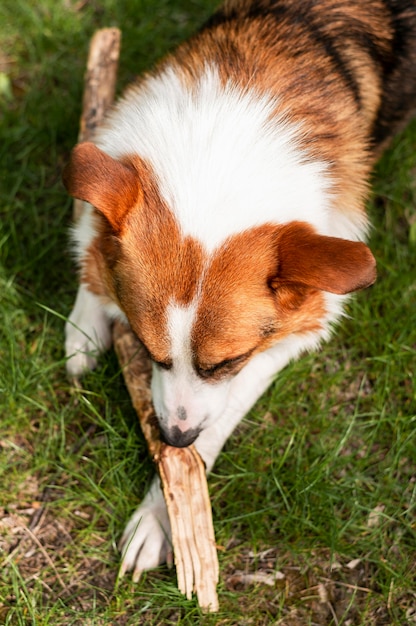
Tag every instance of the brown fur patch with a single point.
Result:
(236, 302)
(266, 283)
(157, 265)
(99, 258)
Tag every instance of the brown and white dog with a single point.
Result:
(225, 211)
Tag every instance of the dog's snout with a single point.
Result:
(178, 438)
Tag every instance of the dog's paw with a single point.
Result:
(82, 348)
(87, 333)
(146, 541)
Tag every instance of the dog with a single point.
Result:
(225, 209)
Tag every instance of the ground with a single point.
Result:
(313, 498)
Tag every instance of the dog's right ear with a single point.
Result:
(111, 186)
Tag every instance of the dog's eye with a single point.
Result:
(222, 368)
(206, 372)
(164, 365)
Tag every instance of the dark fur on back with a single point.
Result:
(383, 30)
(398, 70)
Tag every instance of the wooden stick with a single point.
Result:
(181, 470)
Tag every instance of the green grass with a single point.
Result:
(319, 481)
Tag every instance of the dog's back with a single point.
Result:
(369, 46)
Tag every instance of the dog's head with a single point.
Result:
(203, 316)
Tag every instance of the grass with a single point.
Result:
(318, 484)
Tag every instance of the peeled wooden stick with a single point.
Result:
(181, 470)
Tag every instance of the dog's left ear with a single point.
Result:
(111, 186)
(326, 263)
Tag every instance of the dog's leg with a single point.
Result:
(87, 332)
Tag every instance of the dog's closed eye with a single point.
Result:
(163, 364)
(227, 366)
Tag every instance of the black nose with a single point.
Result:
(175, 437)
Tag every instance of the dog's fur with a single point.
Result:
(228, 189)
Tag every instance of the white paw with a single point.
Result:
(146, 541)
(87, 332)
(82, 348)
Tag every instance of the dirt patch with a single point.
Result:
(320, 590)
(43, 546)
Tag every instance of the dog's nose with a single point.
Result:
(178, 438)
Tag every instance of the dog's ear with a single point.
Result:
(326, 263)
(111, 186)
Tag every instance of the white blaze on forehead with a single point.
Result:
(180, 322)
(180, 397)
